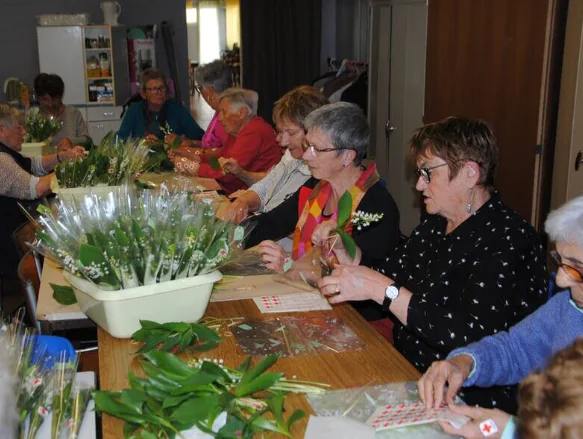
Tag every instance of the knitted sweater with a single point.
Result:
(507, 357)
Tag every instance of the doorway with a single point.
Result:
(397, 93)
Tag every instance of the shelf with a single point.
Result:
(97, 49)
(101, 78)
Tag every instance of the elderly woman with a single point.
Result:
(472, 268)
(335, 146)
(251, 142)
(269, 191)
(507, 357)
(49, 89)
(156, 113)
(21, 179)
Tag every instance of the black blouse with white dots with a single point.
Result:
(485, 276)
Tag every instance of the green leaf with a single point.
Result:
(63, 294)
(296, 416)
(129, 429)
(214, 370)
(206, 333)
(171, 343)
(185, 340)
(145, 434)
(133, 398)
(260, 383)
(275, 404)
(259, 368)
(195, 410)
(173, 401)
(261, 422)
(244, 366)
(344, 208)
(171, 365)
(148, 324)
(105, 402)
(214, 163)
(348, 242)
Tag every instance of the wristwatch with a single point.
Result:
(391, 293)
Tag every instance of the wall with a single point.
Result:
(18, 31)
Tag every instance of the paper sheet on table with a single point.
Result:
(47, 307)
(337, 427)
(291, 303)
(248, 287)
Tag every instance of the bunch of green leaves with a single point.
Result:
(110, 163)
(344, 215)
(131, 238)
(176, 396)
(176, 336)
(40, 126)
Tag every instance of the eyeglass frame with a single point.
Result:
(161, 89)
(313, 150)
(425, 173)
(567, 269)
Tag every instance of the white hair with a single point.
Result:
(241, 97)
(566, 222)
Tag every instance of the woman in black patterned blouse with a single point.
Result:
(471, 269)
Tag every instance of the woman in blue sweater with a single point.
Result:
(156, 112)
(508, 357)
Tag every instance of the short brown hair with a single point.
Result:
(150, 74)
(551, 402)
(296, 104)
(457, 140)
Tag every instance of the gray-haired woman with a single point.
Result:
(251, 142)
(334, 148)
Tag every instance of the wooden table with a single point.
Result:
(378, 362)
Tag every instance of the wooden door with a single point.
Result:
(499, 60)
(568, 168)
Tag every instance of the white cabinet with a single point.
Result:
(101, 120)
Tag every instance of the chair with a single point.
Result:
(30, 281)
(21, 237)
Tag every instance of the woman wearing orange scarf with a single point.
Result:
(334, 149)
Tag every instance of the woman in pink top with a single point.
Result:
(211, 80)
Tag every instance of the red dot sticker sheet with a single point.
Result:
(403, 415)
(291, 302)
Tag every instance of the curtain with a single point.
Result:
(280, 44)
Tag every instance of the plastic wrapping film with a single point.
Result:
(360, 403)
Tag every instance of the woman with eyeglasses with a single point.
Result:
(334, 150)
(156, 114)
(507, 357)
(471, 269)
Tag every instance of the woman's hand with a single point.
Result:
(325, 235)
(186, 166)
(349, 282)
(65, 144)
(71, 154)
(454, 372)
(274, 255)
(237, 211)
(237, 194)
(472, 429)
(230, 166)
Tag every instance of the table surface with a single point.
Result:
(379, 362)
(182, 181)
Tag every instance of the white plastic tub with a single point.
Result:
(70, 194)
(119, 312)
(34, 149)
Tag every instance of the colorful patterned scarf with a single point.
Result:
(312, 213)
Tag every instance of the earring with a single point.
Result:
(469, 205)
(344, 165)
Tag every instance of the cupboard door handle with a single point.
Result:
(578, 160)
(108, 114)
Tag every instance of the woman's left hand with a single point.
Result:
(274, 255)
(349, 282)
(477, 415)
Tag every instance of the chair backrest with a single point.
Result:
(23, 235)
(30, 280)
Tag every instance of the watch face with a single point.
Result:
(392, 292)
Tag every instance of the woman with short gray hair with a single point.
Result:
(334, 149)
(251, 142)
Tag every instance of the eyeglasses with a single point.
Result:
(313, 150)
(425, 173)
(198, 88)
(161, 89)
(571, 272)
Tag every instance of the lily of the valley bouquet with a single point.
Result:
(40, 127)
(130, 238)
(110, 163)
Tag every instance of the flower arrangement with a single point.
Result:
(130, 238)
(204, 396)
(110, 163)
(40, 127)
(158, 159)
